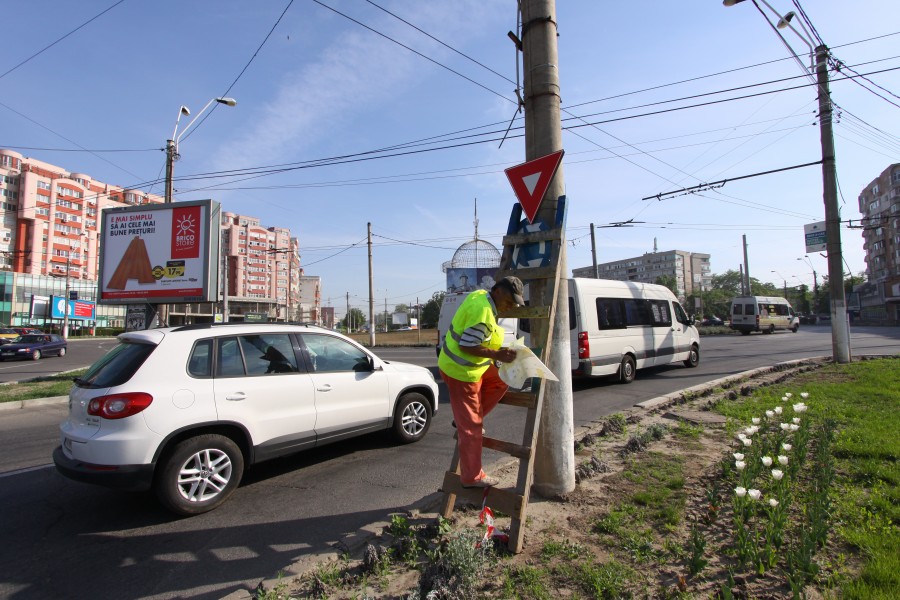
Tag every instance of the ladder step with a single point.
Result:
(521, 399)
(516, 239)
(527, 312)
(528, 274)
(507, 501)
(517, 450)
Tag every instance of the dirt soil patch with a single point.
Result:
(634, 509)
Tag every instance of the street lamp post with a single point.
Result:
(815, 283)
(65, 330)
(784, 280)
(840, 327)
(172, 155)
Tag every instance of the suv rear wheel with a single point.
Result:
(199, 474)
(412, 418)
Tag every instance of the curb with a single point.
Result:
(20, 404)
(653, 403)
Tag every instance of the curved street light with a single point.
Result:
(172, 144)
(840, 327)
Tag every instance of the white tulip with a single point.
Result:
(785, 426)
(794, 427)
(796, 420)
(777, 474)
(782, 460)
(770, 414)
(799, 407)
(755, 494)
(739, 465)
(804, 395)
(741, 492)
(747, 442)
(786, 447)
(738, 456)
(766, 460)
(755, 420)
(778, 410)
(773, 502)
(788, 395)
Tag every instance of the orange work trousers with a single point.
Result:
(471, 401)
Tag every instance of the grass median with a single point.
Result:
(40, 387)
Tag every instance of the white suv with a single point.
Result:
(183, 410)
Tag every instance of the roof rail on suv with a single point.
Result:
(195, 326)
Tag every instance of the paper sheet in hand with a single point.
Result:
(526, 365)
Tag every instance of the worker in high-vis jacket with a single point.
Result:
(472, 345)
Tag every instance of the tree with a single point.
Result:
(669, 281)
(432, 311)
(357, 319)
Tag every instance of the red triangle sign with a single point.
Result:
(531, 179)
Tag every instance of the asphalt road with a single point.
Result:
(67, 539)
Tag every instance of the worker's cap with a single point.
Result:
(515, 287)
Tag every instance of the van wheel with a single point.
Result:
(693, 358)
(627, 369)
(795, 328)
(199, 474)
(744, 332)
(412, 418)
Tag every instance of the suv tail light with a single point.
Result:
(119, 406)
(584, 346)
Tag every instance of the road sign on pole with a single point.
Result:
(531, 179)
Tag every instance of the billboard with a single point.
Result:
(467, 279)
(77, 309)
(160, 253)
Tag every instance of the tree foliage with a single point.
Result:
(669, 281)
(432, 310)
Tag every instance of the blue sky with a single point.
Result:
(324, 86)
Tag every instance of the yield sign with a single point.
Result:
(531, 179)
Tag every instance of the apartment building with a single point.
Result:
(879, 204)
(310, 299)
(49, 239)
(689, 269)
(49, 234)
(262, 269)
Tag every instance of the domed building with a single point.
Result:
(472, 267)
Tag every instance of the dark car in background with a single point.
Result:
(8, 335)
(712, 322)
(33, 346)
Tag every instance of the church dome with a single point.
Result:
(474, 254)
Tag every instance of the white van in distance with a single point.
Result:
(618, 327)
(762, 313)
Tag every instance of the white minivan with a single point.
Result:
(618, 327)
(762, 313)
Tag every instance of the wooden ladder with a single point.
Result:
(514, 501)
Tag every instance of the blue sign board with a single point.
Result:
(78, 309)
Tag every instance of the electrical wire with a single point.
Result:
(47, 47)
(246, 66)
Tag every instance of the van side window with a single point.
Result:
(748, 309)
(738, 309)
(610, 313)
(660, 311)
(680, 315)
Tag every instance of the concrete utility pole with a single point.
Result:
(371, 293)
(554, 468)
(594, 253)
(840, 328)
(747, 268)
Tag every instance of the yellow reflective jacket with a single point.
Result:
(456, 362)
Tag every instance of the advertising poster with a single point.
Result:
(77, 309)
(159, 253)
(467, 279)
